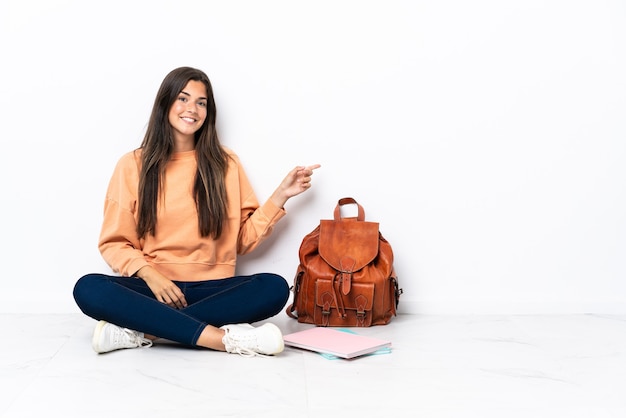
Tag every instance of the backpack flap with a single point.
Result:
(348, 245)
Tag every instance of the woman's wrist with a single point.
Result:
(144, 272)
(279, 199)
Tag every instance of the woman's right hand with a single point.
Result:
(163, 288)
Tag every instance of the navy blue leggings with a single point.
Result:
(128, 302)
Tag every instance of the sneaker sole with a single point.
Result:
(95, 340)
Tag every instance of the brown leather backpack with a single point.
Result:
(345, 277)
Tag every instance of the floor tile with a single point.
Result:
(440, 366)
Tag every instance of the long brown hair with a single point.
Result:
(157, 146)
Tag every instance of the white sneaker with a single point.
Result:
(108, 337)
(248, 341)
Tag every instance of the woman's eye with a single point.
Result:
(203, 104)
(182, 98)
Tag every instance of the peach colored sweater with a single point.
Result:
(177, 250)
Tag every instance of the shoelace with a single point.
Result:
(135, 338)
(246, 352)
(238, 346)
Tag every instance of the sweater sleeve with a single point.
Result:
(119, 244)
(257, 222)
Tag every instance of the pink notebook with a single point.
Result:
(338, 343)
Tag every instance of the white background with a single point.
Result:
(488, 138)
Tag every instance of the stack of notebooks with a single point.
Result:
(336, 343)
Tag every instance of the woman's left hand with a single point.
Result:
(297, 181)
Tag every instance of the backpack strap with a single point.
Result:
(297, 282)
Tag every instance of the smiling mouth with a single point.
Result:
(190, 120)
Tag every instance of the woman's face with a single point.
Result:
(188, 112)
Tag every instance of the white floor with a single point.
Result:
(448, 366)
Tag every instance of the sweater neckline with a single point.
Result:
(184, 155)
